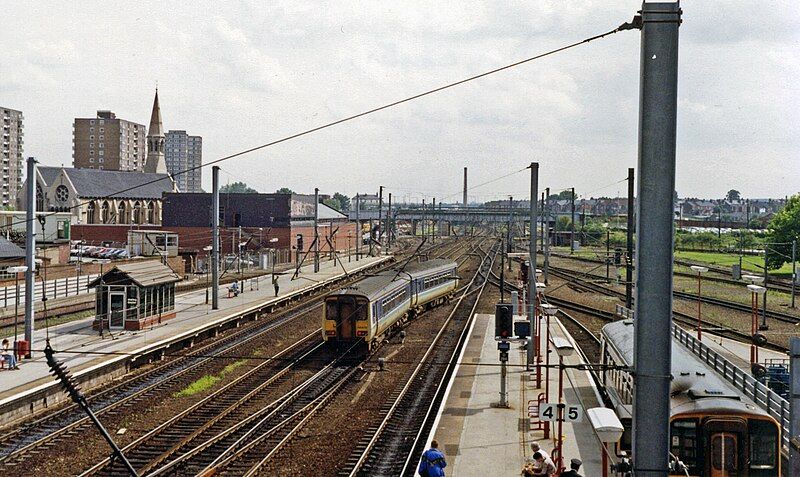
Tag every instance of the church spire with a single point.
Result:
(155, 142)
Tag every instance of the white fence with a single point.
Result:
(58, 288)
(763, 396)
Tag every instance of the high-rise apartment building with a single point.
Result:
(109, 143)
(185, 152)
(12, 155)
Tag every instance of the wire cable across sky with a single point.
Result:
(624, 26)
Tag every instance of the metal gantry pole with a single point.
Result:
(316, 230)
(654, 244)
(215, 239)
(359, 238)
(508, 231)
(532, 257)
(629, 262)
(572, 225)
(794, 268)
(465, 188)
(30, 253)
(380, 214)
(546, 216)
(388, 227)
(794, 406)
(433, 217)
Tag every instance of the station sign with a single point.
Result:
(549, 412)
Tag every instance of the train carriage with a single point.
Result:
(370, 308)
(714, 430)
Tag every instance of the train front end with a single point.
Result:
(346, 319)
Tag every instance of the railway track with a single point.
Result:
(394, 445)
(775, 315)
(774, 283)
(69, 422)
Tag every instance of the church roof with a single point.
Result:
(156, 128)
(95, 183)
(10, 250)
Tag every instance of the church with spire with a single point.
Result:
(156, 161)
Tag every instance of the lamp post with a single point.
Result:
(755, 290)
(548, 310)
(564, 349)
(700, 271)
(536, 302)
(16, 271)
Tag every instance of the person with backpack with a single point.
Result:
(432, 463)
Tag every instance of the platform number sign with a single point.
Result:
(549, 412)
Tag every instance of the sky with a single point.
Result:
(242, 74)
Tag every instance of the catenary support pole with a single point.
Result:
(215, 239)
(541, 232)
(433, 216)
(464, 201)
(629, 242)
(572, 224)
(794, 268)
(532, 257)
(509, 248)
(30, 252)
(546, 215)
(794, 407)
(388, 224)
(316, 230)
(359, 237)
(654, 244)
(379, 238)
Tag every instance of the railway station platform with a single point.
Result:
(93, 359)
(738, 352)
(480, 439)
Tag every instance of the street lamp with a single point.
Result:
(535, 302)
(700, 271)
(564, 349)
(548, 310)
(755, 290)
(16, 271)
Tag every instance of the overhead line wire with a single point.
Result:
(624, 26)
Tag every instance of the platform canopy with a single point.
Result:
(144, 274)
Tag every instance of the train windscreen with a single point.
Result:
(763, 445)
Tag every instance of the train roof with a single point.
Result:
(374, 285)
(695, 387)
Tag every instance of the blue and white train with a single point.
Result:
(368, 309)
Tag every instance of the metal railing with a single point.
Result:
(760, 394)
(58, 288)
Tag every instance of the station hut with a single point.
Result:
(134, 295)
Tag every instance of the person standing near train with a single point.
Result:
(432, 463)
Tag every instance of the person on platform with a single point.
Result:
(543, 466)
(535, 447)
(8, 355)
(432, 463)
(574, 466)
(275, 284)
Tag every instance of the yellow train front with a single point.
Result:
(715, 431)
(370, 309)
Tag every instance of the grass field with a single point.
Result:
(749, 262)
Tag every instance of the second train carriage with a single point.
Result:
(714, 430)
(369, 308)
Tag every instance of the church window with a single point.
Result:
(137, 212)
(39, 198)
(121, 216)
(62, 193)
(150, 212)
(104, 212)
(90, 213)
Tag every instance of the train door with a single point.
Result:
(726, 447)
(347, 318)
(724, 454)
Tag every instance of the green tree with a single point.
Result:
(237, 188)
(344, 202)
(333, 204)
(562, 224)
(732, 195)
(284, 190)
(565, 194)
(782, 229)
